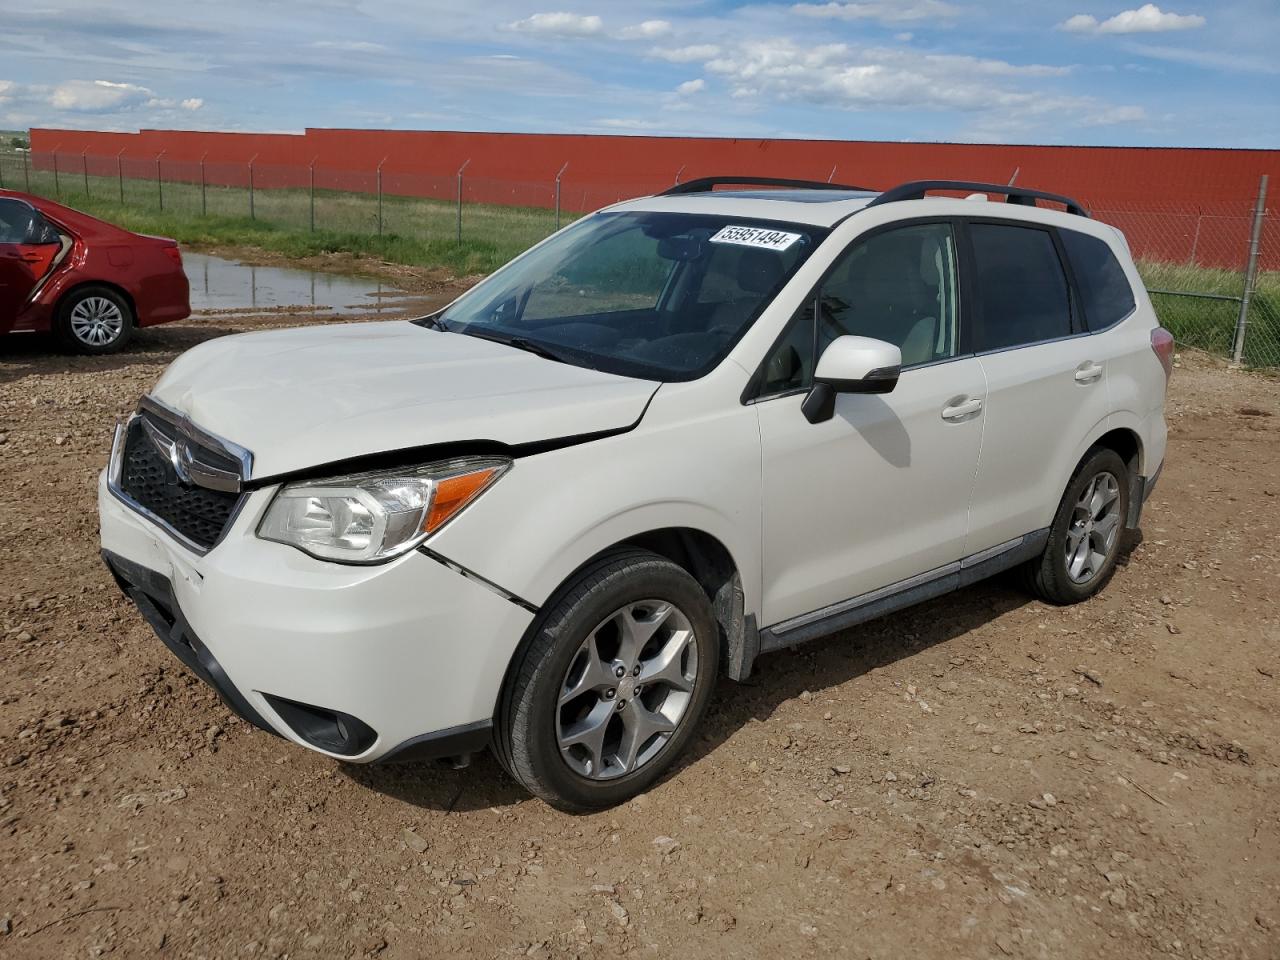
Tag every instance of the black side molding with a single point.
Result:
(907, 593)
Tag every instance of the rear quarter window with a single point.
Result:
(1105, 292)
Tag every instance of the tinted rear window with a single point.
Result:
(1104, 288)
(1023, 289)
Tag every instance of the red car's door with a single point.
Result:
(29, 247)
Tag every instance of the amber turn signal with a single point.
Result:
(454, 493)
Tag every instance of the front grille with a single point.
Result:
(147, 477)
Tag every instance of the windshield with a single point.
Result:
(661, 296)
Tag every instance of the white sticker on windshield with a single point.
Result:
(756, 237)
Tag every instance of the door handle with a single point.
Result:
(960, 407)
(1088, 372)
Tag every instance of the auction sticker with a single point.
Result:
(756, 237)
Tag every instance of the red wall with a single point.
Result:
(1183, 197)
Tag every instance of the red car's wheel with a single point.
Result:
(94, 320)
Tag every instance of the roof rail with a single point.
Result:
(916, 190)
(707, 184)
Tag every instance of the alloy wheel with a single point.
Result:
(627, 689)
(1093, 529)
(97, 321)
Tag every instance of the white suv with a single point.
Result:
(682, 432)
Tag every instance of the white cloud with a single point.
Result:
(689, 54)
(837, 75)
(349, 46)
(882, 11)
(192, 103)
(560, 25)
(904, 37)
(1229, 61)
(647, 30)
(97, 96)
(1148, 18)
(691, 86)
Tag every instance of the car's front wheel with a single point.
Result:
(1084, 541)
(93, 320)
(610, 688)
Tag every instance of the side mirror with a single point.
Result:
(851, 365)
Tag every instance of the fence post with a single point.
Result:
(159, 179)
(1250, 272)
(252, 215)
(384, 160)
(1, 176)
(57, 187)
(558, 176)
(204, 200)
(460, 169)
(26, 171)
(120, 173)
(84, 167)
(312, 192)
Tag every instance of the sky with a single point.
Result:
(1182, 73)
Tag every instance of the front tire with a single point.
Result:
(94, 320)
(612, 684)
(1084, 541)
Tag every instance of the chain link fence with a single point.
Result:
(1213, 270)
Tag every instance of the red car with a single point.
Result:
(88, 282)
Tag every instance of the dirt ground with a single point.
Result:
(984, 776)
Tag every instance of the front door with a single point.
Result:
(28, 249)
(880, 492)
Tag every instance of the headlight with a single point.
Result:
(372, 517)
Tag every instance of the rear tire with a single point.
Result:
(572, 730)
(1084, 541)
(93, 320)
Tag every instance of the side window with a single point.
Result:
(15, 221)
(1104, 289)
(898, 286)
(1019, 279)
(20, 223)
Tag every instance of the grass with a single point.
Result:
(415, 231)
(423, 232)
(1208, 323)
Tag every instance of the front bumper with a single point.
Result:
(401, 660)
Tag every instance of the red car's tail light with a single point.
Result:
(1162, 344)
(174, 254)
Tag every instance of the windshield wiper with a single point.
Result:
(432, 322)
(520, 343)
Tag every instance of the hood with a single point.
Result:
(315, 395)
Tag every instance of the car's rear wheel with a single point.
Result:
(94, 320)
(610, 688)
(1084, 541)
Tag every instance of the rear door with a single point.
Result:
(1046, 378)
(29, 247)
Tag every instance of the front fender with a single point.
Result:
(555, 511)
